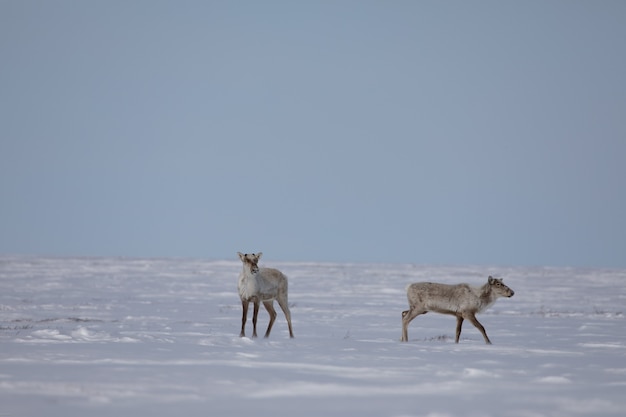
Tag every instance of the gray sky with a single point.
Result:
(488, 132)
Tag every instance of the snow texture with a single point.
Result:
(159, 337)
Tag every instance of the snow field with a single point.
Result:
(159, 337)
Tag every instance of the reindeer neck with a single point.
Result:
(485, 293)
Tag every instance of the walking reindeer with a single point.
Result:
(460, 300)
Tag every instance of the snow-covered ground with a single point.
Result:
(159, 337)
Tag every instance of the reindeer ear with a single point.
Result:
(258, 255)
(241, 255)
(491, 280)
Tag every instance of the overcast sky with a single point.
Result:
(439, 132)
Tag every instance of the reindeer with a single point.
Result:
(461, 300)
(258, 285)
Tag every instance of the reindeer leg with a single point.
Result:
(255, 316)
(269, 306)
(407, 317)
(459, 324)
(244, 317)
(284, 305)
(476, 323)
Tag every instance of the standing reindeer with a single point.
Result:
(460, 300)
(258, 285)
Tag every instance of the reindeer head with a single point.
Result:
(250, 260)
(499, 288)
